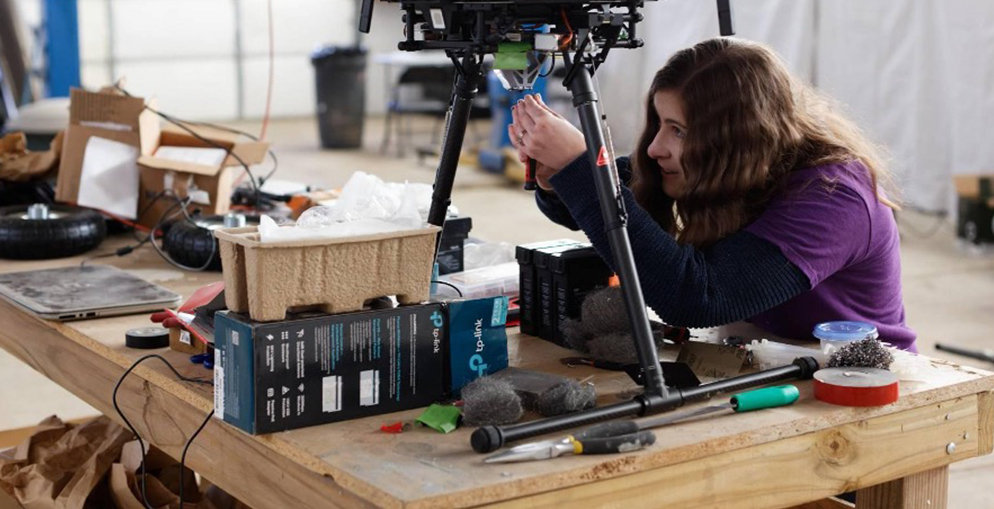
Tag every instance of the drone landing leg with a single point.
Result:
(468, 79)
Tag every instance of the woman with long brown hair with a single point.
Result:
(749, 198)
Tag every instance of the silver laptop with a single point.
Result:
(72, 293)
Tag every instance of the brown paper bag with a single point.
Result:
(17, 164)
(59, 465)
(220, 498)
(162, 480)
(126, 491)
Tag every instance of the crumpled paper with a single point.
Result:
(366, 206)
(17, 164)
(60, 464)
(97, 465)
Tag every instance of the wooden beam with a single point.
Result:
(795, 470)
(243, 466)
(986, 425)
(925, 490)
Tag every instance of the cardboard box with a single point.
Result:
(318, 368)
(975, 208)
(979, 187)
(302, 372)
(209, 185)
(181, 341)
(336, 275)
(106, 115)
(477, 339)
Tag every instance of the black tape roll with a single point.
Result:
(147, 338)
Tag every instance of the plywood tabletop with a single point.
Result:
(354, 464)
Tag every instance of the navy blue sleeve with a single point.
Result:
(734, 279)
(556, 210)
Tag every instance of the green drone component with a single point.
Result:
(512, 56)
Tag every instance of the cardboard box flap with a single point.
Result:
(149, 130)
(219, 136)
(251, 153)
(171, 165)
(73, 152)
(974, 186)
(105, 110)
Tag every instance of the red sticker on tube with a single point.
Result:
(602, 156)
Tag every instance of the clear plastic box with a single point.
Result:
(492, 281)
(835, 335)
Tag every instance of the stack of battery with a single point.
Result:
(450, 246)
(555, 277)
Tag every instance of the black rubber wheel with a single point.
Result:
(191, 244)
(971, 233)
(68, 231)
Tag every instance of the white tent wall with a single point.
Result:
(882, 60)
(966, 47)
(785, 25)
(917, 75)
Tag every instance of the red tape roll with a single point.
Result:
(856, 386)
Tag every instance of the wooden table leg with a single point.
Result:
(925, 490)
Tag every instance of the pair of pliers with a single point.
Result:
(607, 438)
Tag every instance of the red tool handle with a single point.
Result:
(530, 176)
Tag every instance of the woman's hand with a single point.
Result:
(543, 135)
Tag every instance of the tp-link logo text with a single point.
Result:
(476, 361)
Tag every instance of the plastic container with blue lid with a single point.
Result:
(834, 335)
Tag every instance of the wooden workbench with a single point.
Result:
(896, 456)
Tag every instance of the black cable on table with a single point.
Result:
(117, 408)
(450, 285)
(182, 460)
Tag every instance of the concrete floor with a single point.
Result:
(948, 290)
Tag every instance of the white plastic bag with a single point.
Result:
(366, 206)
(486, 254)
(768, 354)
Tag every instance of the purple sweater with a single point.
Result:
(828, 226)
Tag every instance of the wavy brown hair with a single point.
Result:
(749, 125)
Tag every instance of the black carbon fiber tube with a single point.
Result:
(803, 368)
(490, 438)
(463, 93)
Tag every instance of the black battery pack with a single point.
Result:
(528, 280)
(555, 277)
(455, 231)
(575, 273)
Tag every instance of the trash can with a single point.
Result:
(340, 74)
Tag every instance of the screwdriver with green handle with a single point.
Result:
(625, 436)
(767, 397)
